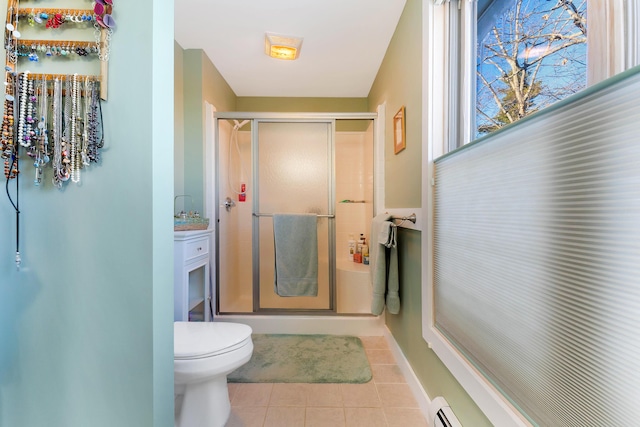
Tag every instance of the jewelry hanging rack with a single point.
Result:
(84, 44)
(100, 21)
(26, 11)
(62, 77)
(44, 76)
(104, 69)
(75, 43)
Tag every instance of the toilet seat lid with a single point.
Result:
(193, 340)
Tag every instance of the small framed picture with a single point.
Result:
(399, 142)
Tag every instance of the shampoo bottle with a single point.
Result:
(358, 255)
(352, 247)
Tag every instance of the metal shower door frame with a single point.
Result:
(256, 119)
(255, 123)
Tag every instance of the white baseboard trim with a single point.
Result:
(419, 394)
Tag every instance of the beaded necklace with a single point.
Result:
(85, 121)
(40, 146)
(64, 118)
(56, 135)
(94, 144)
(75, 167)
(11, 34)
(22, 118)
(43, 124)
(7, 140)
(29, 132)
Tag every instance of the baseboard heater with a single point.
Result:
(441, 415)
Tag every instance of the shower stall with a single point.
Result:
(291, 163)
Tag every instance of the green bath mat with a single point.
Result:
(304, 359)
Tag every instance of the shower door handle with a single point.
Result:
(228, 204)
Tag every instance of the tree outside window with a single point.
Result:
(532, 55)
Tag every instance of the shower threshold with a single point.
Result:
(336, 324)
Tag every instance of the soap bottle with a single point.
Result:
(352, 247)
(365, 254)
(361, 241)
(358, 256)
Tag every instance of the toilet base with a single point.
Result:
(205, 404)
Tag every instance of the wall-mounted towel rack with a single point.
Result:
(318, 215)
(402, 219)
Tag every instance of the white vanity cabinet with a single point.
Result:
(191, 253)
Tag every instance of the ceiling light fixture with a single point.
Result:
(282, 47)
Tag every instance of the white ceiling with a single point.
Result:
(344, 43)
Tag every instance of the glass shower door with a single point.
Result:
(294, 170)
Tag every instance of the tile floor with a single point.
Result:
(385, 401)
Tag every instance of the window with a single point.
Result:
(530, 54)
(506, 59)
(451, 39)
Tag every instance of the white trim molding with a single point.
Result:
(633, 33)
(435, 134)
(379, 159)
(421, 396)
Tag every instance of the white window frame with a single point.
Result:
(618, 50)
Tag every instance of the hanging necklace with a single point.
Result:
(58, 169)
(22, 118)
(85, 122)
(43, 124)
(75, 169)
(29, 133)
(94, 145)
(7, 139)
(64, 118)
(40, 145)
(11, 33)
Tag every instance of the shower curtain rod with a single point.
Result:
(319, 215)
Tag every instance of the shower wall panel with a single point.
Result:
(234, 228)
(354, 187)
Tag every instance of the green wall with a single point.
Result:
(201, 82)
(323, 105)
(178, 127)
(399, 82)
(86, 325)
(406, 328)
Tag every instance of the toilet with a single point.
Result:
(204, 354)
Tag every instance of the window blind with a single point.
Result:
(537, 258)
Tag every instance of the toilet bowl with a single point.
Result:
(204, 354)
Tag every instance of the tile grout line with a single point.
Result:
(342, 406)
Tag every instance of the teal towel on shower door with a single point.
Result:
(296, 254)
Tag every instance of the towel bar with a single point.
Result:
(319, 215)
(402, 219)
